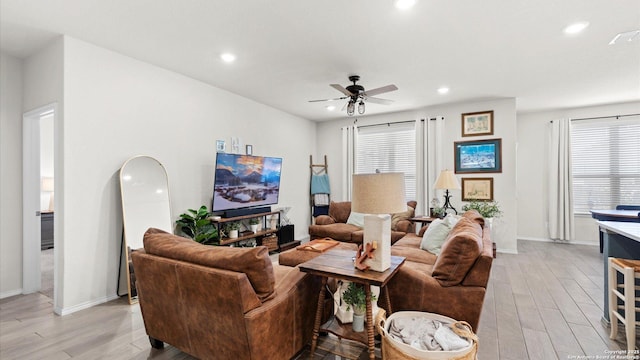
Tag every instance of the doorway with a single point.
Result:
(38, 201)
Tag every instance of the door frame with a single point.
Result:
(31, 243)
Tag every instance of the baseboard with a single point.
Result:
(559, 242)
(10, 293)
(86, 305)
(513, 252)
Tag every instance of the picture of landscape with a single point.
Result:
(478, 156)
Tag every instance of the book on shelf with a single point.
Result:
(318, 245)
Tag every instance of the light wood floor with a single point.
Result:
(544, 303)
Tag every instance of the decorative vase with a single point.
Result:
(233, 234)
(358, 322)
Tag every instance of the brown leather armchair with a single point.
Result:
(220, 302)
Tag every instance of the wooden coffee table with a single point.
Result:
(339, 264)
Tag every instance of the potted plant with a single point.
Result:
(254, 222)
(438, 212)
(232, 229)
(196, 225)
(488, 209)
(355, 297)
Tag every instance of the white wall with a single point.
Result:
(11, 176)
(329, 143)
(117, 107)
(532, 170)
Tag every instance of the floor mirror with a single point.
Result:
(144, 189)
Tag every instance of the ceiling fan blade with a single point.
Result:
(340, 98)
(342, 89)
(378, 100)
(381, 90)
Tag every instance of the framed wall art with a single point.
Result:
(480, 156)
(477, 123)
(478, 189)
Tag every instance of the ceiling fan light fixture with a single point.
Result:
(351, 108)
(361, 107)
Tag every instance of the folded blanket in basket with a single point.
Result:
(426, 334)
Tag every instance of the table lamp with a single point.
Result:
(377, 196)
(447, 180)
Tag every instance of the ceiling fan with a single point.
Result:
(358, 95)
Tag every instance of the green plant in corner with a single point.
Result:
(355, 297)
(196, 225)
(488, 209)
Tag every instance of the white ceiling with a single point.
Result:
(289, 51)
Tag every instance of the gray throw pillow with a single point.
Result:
(437, 233)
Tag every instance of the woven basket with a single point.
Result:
(394, 350)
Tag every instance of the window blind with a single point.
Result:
(606, 163)
(388, 148)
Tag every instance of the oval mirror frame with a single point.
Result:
(144, 188)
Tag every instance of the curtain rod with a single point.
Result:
(388, 123)
(605, 117)
(602, 117)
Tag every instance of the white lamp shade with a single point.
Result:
(378, 193)
(447, 180)
(47, 184)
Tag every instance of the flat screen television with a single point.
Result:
(244, 181)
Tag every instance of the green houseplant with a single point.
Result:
(488, 209)
(355, 297)
(196, 225)
(254, 222)
(231, 229)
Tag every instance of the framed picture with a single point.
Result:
(477, 123)
(478, 189)
(249, 149)
(220, 145)
(480, 156)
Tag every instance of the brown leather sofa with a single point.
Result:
(451, 284)
(220, 302)
(334, 225)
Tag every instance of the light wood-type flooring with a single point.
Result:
(544, 303)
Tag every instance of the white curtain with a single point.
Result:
(561, 223)
(349, 138)
(429, 160)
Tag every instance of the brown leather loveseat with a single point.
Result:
(335, 224)
(221, 302)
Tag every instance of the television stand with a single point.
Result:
(264, 236)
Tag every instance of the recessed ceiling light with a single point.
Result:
(331, 107)
(443, 90)
(404, 4)
(576, 28)
(228, 57)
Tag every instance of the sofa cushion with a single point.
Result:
(254, 262)
(459, 252)
(337, 231)
(340, 211)
(397, 217)
(437, 233)
(475, 216)
(356, 218)
(409, 247)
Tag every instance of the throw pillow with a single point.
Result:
(397, 217)
(356, 219)
(437, 233)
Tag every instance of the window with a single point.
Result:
(606, 163)
(388, 148)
